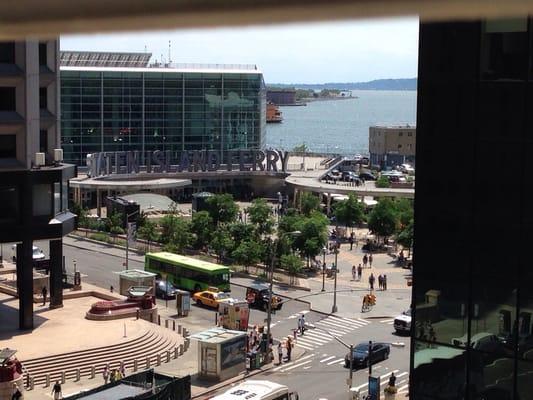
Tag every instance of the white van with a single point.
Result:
(258, 390)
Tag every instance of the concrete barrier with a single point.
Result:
(63, 377)
(47, 380)
(135, 365)
(180, 351)
(78, 375)
(32, 383)
(176, 352)
(147, 362)
(93, 371)
(158, 360)
(168, 356)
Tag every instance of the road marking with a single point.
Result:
(402, 374)
(292, 362)
(307, 342)
(318, 338)
(309, 366)
(319, 334)
(351, 321)
(293, 316)
(326, 359)
(386, 321)
(403, 388)
(378, 367)
(296, 366)
(364, 321)
(334, 322)
(335, 361)
(304, 346)
(329, 325)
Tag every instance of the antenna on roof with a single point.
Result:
(169, 47)
(145, 49)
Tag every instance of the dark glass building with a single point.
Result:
(118, 102)
(473, 279)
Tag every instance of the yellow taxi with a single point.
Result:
(212, 297)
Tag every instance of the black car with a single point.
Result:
(165, 289)
(380, 352)
(257, 295)
(367, 176)
(349, 176)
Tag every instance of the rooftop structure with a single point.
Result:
(103, 59)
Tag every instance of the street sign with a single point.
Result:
(373, 387)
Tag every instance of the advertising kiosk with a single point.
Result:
(221, 353)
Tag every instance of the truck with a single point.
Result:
(258, 390)
(402, 323)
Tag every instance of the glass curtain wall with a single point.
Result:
(163, 110)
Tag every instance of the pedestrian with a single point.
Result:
(56, 391)
(370, 259)
(113, 376)
(280, 353)
(380, 282)
(365, 260)
(122, 370)
(392, 380)
(359, 272)
(371, 280)
(105, 374)
(350, 240)
(354, 272)
(301, 324)
(111, 288)
(17, 395)
(384, 282)
(289, 348)
(240, 216)
(44, 292)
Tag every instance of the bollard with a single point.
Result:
(179, 329)
(159, 320)
(176, 352)
(78, 375)
(180, 352)
(63, 377)
(47, 380)
(93, 371)
(187, 343)
(173, 325)
(135, 365)
(147, 362)
(185, 332)
(32, 384)
(158, 360)
(168, 356)
(166, 323)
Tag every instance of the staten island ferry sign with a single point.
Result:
(129, 162)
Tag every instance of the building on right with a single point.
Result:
(391, 145)
(472, 279)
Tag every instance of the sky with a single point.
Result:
(351, 51)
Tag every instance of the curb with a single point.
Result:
(241, 275)
(110, 245)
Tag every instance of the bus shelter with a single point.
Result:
(221, 353)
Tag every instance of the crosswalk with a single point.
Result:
(402, 382)
(387, 321)
(322, 331)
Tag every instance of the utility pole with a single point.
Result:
(129, 233)
(324, 249)
(370, 357)
(334, 308)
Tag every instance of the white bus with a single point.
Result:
(258, 390)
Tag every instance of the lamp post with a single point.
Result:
(275, 244)
(334, 308)
(324, 250)
(128, 235)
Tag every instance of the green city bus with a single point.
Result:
(188, 273)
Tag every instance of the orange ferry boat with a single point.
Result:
(273, 114)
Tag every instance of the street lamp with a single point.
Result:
(128, 234)
(324, 250)
(275, 244)
(334, 308)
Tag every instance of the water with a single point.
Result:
(341, 126)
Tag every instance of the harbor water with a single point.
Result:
(341, 126)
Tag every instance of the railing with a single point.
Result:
(250, 67)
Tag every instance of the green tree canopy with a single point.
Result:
(202, 226)
(383, 220)
(260, 215)
(114, 223)
(222, 208)
(313, 234)
(350, 212)
(382, 182)
(81, 213)
(222, 242)
(291, 263)
(178, 235)
(406, 236)
(148, 232)
(248, 253)
(309, 203)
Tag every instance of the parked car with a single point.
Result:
(350, 176)
(212, 297)
(257, 295)
(37, 253)
(402, 323)
(380, 352)
(165, 289)
(367, 176)
(484, 341)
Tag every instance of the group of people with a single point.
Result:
(114, 374)
(357, 273)
(367, 260)
(288, 345)
(427, 332)
(382, 281)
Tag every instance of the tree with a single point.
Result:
(222, 208)
(350, 212)
(148, 232)
(405, 211)
(202, 226)
(382, 182)
(406, 236)
(114, 223)
(313, 235)
(291, 263)
(383, 220)
(222, 242)
(240, 232)
(81, 213)
(309, 203)
(179, 237)
(248, 253)
(260, 215)
(302, 148)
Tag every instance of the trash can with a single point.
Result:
(251, 360)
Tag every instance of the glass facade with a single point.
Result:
(473, 298)
(160, 109)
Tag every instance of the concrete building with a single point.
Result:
(33, 179)
(391, 145)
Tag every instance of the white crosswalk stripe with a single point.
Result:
(296, 366)
(403, 388)
(303, 346)
(335, 361)
(293, 362)
(386, 321)
(298, 314)
(327, 359)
